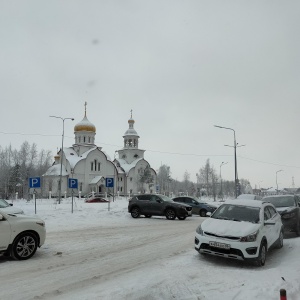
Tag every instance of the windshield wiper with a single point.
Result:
(222, 218)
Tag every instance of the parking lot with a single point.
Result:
(99, 254)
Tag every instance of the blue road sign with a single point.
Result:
(34, 182)
(109, 182)
(73, 183)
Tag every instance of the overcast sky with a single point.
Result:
(181, 66)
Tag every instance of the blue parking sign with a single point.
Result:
(109, 182)
(34, 182)
(73, 183)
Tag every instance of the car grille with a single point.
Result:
(233, 238)
(230, 253)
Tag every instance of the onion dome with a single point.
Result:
(85, 124)
(131, 131)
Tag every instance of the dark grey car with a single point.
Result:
(157, 205)
(289, 208)
(198, 207)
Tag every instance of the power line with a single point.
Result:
(163, 152)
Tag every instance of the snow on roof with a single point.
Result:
(245, 202)
(55, 171)
(96, 179)
(127, 167)
(73, 157)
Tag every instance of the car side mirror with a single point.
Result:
(159, 201)
(299, 204)
(1, 218)
(10, 204)
(208, 214)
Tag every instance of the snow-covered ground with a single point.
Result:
(97, 253)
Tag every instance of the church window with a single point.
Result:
(135, 156)
(131, 191)
(89, 139)
(98, 166)
(121, 189)
(84, 139)
(95, 165)
(79, 139)
(130, 178)
(80, 186)
(124, 156)
(92, 166)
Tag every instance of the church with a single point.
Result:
(90, 165)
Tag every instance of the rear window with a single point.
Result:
(282, 201)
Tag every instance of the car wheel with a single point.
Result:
(24, 246)
(170, 214)
(261, 259)
(181, 218)
(148, 216)
(202, 213)
(135, 212)
(279, 243)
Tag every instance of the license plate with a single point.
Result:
(219, 245)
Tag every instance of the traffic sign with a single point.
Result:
(109, 182)
(35, 182)
(73, 183)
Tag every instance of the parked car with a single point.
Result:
(242, 230)
(198, 207)
(9, 208)
(96, 200)
(157, 205)
(249, 197)
(20, 235)
(289, 208)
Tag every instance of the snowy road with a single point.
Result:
(77, 259)
(96, 253)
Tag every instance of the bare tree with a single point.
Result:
(163, 178)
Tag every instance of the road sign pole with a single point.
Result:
(34, 197)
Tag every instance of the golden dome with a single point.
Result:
(85, 125)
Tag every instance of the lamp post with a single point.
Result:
(235, 161)
(222, 164)
(276, 179)
(61, 154)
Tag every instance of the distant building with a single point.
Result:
(90, 165)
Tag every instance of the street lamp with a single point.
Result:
(61, 154)
(276, 179)
(235, 163)
(222, 164)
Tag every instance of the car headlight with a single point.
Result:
(288, 216)
(249, 238)
(199, 230)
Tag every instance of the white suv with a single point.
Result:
(20, 235)
(241, 229)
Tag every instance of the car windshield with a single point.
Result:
(166, 198)
(237, 213)
(3, 203)
(283, 201)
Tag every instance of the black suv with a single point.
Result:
(289, 208)
(157, 205)
(198, 207)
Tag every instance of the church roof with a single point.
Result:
(127, 167)
(55, 171)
